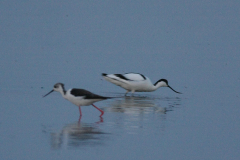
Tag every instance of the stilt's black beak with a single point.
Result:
(174, 90)
(48, 93)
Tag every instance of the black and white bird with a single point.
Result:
(79, 97)
(136, 82)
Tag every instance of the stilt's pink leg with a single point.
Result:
(99, 110)
(79, 119)
(100, 121)
(80, 111)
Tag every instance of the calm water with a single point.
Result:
(195, 45)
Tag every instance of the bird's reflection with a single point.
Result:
(143, 104)
(131, 104)
(78, 134)
(141, 112)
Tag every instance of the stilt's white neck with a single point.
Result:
(62, 91)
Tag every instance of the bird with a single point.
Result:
(79, 97)
(136, 82)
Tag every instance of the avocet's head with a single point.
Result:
(58, 87)
(164, 83)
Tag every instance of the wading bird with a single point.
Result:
(79, 97)
(136, 82)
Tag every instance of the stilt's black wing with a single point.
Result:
(86, 94)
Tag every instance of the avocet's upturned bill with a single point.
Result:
(135, 82)
(79, 97)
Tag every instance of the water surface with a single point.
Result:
(194, 45)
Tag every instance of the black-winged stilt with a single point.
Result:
(79, 97)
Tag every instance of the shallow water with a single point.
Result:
(194, 45)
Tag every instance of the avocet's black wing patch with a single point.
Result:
(104, 74)
(122, 77)
(143, 76)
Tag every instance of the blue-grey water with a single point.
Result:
(195, 45)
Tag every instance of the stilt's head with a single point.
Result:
(164, 83)
(58, 87)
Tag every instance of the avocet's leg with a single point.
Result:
(80, 111)
(132, 93)
(126, 93)
(99, 110)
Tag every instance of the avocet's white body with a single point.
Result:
(135, 82)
